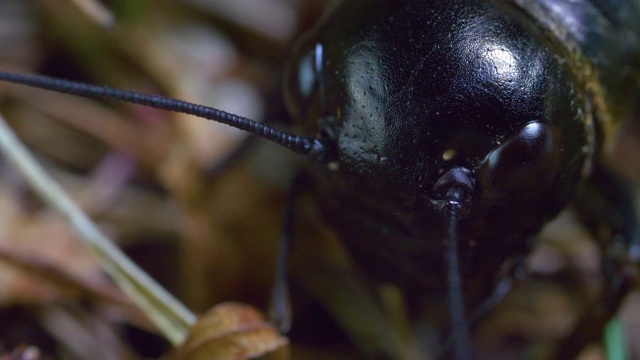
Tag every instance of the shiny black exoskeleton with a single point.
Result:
(518, 96)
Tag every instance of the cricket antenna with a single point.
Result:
(455, 188)
(313, 148)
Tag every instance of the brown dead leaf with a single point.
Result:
(43, 238)
(65, 282)
(232, 331)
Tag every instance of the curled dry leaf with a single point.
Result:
(232, 331)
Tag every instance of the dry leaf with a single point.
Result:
(232, 331)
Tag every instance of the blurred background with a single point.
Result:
(198, 205)
(156, 182)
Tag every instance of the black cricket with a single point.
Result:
(446, 133)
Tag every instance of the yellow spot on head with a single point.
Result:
(448, 154)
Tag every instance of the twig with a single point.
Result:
(171, 317)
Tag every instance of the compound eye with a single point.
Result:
(524, 165)
(302, 83)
